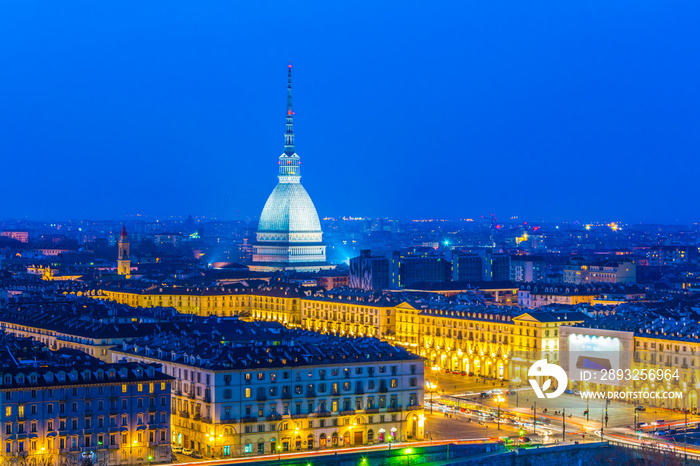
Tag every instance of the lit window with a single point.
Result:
(247, 393)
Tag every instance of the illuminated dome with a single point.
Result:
(289, 209)
(289, 233)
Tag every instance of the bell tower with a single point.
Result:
(123, 260)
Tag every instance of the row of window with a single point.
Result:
(83, 392)
(322, 406)
(87, 407)
(74, 423)
(73, 442)
(260, 376)
(322, 388)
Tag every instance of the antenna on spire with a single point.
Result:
(289, 134)
(289, 90)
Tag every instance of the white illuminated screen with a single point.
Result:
(591, 355)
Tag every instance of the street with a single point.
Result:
(453, 387)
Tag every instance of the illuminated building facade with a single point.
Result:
(656, 343)
(671, 255)
(481, 340)
(117, 413)
(289, 235)
(281, 303)
(19, 235)
(535, 295)
(312, 392)
(611, 272)
(353, 312)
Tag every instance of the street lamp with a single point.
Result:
(499, 399)
(212, 438)
(279, 453)
(408, 456)
(431, 388)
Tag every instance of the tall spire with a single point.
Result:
(289, 163)
(289, 134)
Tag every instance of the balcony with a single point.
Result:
(348, 412)
(383, 389)
(310, 394)
(359, 392)
(299, 416)
(274, 417)
(228, 421)
(262, 397)
(248, 420)
(413, 408)
(323, 414)
(393, 409)
(371, 410)
(184, 414)
(335, 393)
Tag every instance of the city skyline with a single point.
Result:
(405, 113)
(498, 250)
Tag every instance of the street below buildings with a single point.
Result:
(452, 388)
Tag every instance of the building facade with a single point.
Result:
(376, 273)
(527, 269)
(610, 272)
(116, 413)
(311, 393)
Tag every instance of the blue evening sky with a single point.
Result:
(556, 110)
